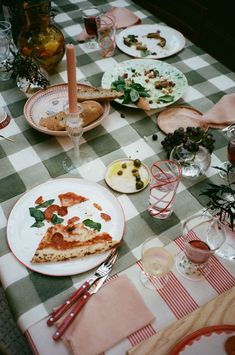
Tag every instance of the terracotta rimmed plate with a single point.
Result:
(175, 41)
(51, 101)
(179, 116)
(208, 340)
(126, 182)
(23, 240)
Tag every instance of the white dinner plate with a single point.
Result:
(175, 41)
(50, 101)
(136, 69)
(23, 239)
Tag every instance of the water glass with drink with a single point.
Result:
(165, 179)
(157, 258)
(203, 235)
(106, 32)
(89, 16)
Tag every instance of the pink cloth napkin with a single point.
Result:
(222, 114)
(123, 17)
(114, 312)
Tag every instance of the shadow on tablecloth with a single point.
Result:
(12, 341)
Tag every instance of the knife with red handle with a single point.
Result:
(77, 308)
(54, 316)
(103, 270)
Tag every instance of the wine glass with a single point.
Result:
(157, 260)
(89, 16)
(74, 128)
(203, 235)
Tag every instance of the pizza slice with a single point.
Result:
(69, 199)
(62, 243)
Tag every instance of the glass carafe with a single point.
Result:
(40, 38)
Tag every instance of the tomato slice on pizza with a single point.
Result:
(69, 199)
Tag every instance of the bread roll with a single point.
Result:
(98, 94)
(91, 111)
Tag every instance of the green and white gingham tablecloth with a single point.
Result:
(36, 157)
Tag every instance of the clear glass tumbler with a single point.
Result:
(106, 32)
(165, 179)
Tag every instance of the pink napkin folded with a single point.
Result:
(123, 18)
(222, 114)
(114, 312)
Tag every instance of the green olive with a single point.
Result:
(120, 172)
(139, 185)
(135, 172)
(137, 163)
(124, 165)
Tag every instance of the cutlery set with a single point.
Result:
(80, 297)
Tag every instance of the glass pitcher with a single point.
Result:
(39, 37)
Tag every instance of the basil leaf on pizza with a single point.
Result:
(45, 204)
(91, 224)
(56, 220)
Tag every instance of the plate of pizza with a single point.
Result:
(65, 226)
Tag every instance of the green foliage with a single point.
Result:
(222, 198)
(26, 67)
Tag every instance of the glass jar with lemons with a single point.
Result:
(39, 37)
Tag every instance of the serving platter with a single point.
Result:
(136, 69)
(175, 41)
(51, 101)
(24, 239)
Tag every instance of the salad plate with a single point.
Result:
(150, 41)
(159, 83)
(23, 238)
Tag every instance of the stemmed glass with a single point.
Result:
(5, 44)
(89, 16)
(203, 235)
(157, 260)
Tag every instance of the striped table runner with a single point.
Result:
(169, 304)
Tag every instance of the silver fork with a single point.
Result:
(101, 272)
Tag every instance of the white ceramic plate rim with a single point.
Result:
(24, 240)
(53, 91)
(175, 41)
(115, 188)
(140, 64)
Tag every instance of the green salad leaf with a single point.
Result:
(166, 98)
(132, 91)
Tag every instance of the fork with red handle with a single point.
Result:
(101, 272)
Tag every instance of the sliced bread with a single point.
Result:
(97, 94)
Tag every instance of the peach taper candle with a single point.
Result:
(72, 82)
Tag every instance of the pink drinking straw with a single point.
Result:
(72, 82)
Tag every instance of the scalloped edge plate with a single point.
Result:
(51, 101)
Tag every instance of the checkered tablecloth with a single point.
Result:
(36, 157)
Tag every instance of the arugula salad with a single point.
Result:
(156, 82)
